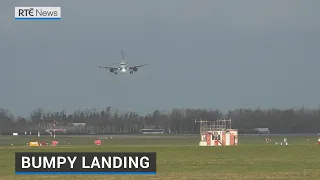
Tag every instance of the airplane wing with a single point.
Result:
(137, 66)
(106, 67)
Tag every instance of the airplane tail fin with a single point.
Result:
(122, 54)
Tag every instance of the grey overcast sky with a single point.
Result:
(201, 54)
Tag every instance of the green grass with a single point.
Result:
(179, 157)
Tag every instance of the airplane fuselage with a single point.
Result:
(123, 66)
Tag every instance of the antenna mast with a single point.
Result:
(204, 125)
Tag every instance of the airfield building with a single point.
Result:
(217, 133)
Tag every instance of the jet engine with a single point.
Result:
(111, 70)
(135, 69)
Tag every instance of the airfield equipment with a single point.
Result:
(285, 142)
(97, 142)
(34, 143)
(217, 133)
(54, 143)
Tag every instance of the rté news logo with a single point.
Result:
(37, 13)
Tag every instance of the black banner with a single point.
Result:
(85, 163)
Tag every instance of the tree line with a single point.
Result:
(178, 121)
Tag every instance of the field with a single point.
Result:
(180, 158)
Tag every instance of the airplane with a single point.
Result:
(123, 67)
(55, 130)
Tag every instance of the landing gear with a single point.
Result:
(115, 72)
(131, 72)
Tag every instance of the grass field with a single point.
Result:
(180, 157)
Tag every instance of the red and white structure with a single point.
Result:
(217, 133)
(97, 142)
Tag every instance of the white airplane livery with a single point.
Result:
(123, 67)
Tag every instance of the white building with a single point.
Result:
(262, 130)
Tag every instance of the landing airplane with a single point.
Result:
(123, 67)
